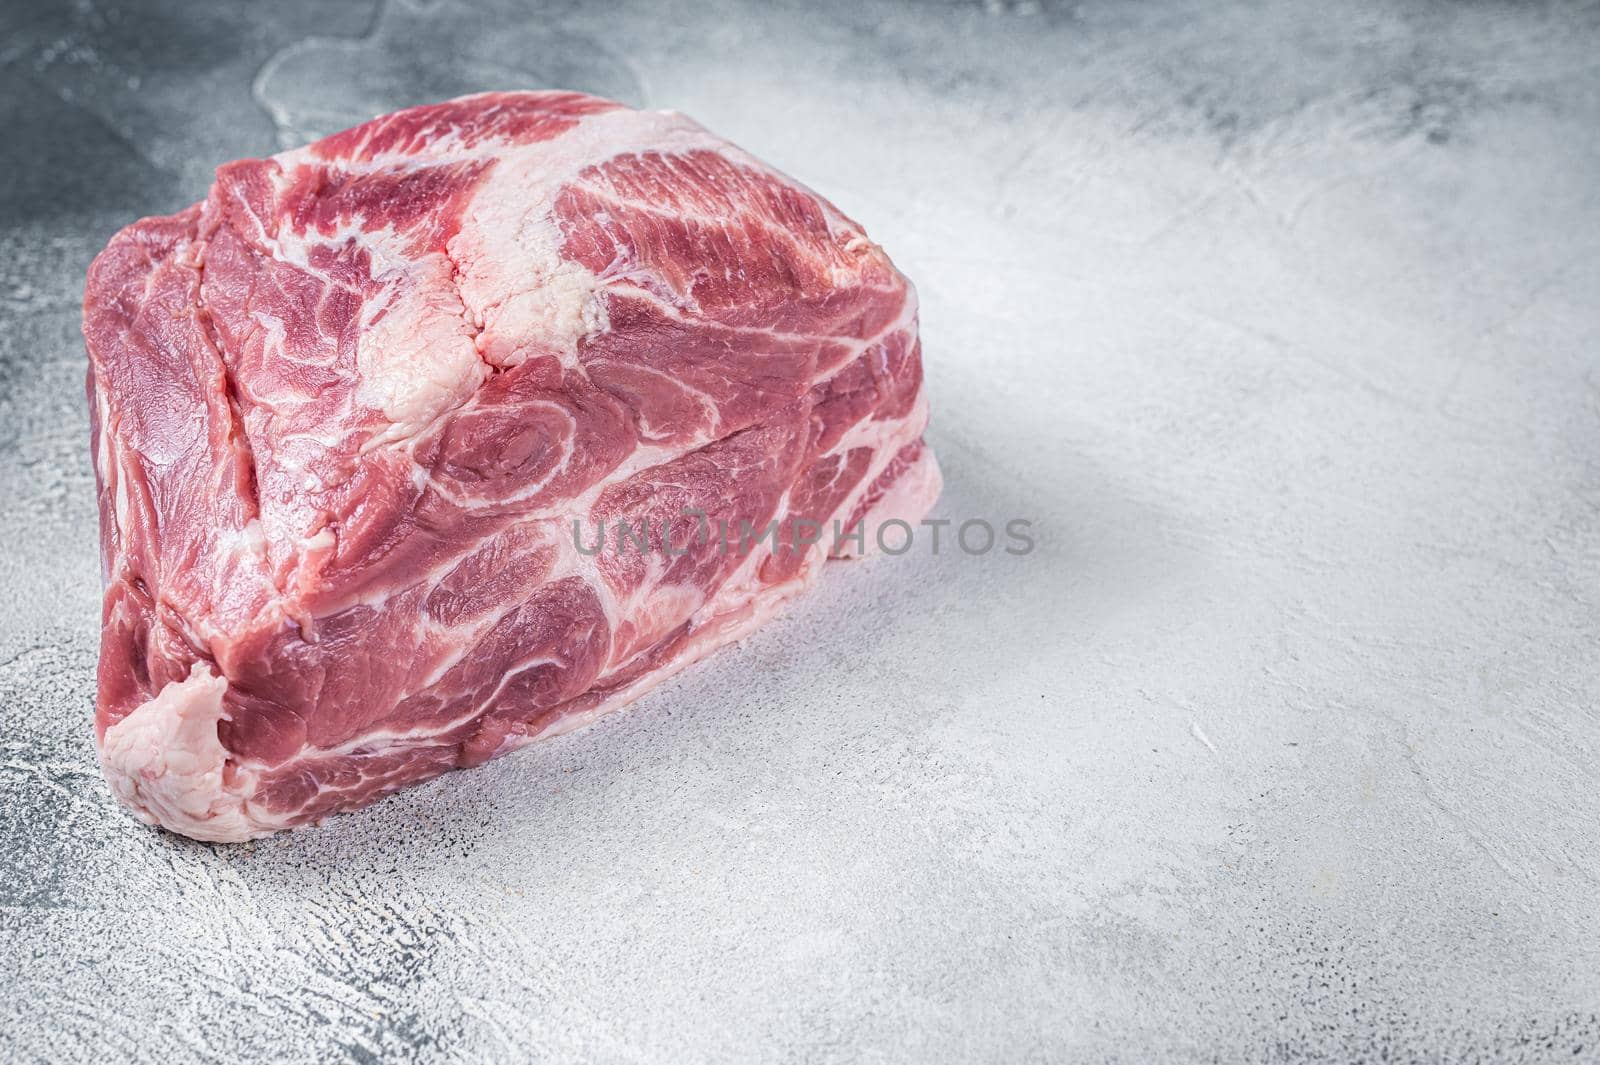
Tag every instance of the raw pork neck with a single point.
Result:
(362, 416)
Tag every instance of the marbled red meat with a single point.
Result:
(357, 414)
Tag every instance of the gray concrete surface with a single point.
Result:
(1280, 323)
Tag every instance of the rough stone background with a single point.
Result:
(1279, 321)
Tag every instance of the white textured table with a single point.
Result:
(1281, 325)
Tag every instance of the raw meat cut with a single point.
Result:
(361, 416)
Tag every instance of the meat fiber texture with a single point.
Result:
(360, 416)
